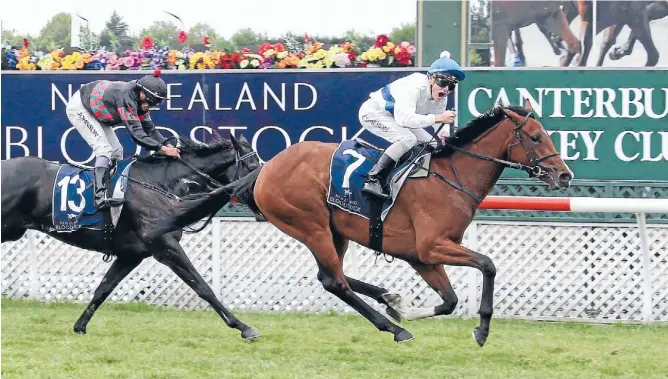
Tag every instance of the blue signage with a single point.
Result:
(272, 108)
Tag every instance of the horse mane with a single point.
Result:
(187, 145)
(477, 127)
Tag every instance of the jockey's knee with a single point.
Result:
(103, 150)
(117, 153)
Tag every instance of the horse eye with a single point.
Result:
(535, 138)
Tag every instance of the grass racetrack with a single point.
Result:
(136, 341)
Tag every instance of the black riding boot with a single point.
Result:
(378, 176)
(102, 180)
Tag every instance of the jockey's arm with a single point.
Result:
(405, 104)
(147, 125)
(135, 127)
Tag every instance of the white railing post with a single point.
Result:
(216, 226)
(32, 261)
(646, 262)
(472, 244)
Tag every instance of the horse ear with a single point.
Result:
(234, 141)
(499, 102)
(527, 105)
(242, 138)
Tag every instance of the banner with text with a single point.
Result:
(272, 109)
(607, 124)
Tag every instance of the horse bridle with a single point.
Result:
(534, 169)
(237, 173)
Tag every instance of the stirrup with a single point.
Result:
(374, 188)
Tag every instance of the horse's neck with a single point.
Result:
(212, 164)
(479, 175)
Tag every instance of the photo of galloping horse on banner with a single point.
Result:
(427, 220)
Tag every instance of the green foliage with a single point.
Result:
(115, 34)
(406, 32)
(55, 34)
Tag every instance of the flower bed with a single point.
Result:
(292, 54)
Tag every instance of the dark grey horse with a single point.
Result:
(155, 186)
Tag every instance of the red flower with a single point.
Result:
(25, 43)
(264, 47)
(146, 42)
(279, 47)
(183, 37)
(235, 57)
(381, 40)
(206, 40)
(245, 50)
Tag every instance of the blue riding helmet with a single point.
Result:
(446, 65)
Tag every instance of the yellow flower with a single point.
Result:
(397, 50)
(255, 63)
(386, 49)
(243, 63)
(390, 45)
(24, 64)
(282, 55)
(320, 54)
(365, 56)
(269, 53)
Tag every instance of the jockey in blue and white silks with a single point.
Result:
(401, 110)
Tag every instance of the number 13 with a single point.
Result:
(64, 203)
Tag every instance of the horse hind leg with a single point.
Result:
(330, 274)
(121, 267)
(379, 294)
(169, 252)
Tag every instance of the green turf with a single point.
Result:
(137, 341)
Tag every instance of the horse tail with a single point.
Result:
(192, 208)
(242, 190)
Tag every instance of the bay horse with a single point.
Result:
(426, 225)
(155, 186)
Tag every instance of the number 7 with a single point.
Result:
(354, 166)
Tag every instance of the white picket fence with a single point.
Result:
(587, 272)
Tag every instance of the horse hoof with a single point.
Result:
(394, 314)
(615, 53)
(250, 334)
(78, 330)
(403, 336)
(479, 336)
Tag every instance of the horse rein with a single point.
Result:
(534, 170)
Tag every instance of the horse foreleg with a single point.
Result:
(169, 252)
(609, 38)
(438, 280)
(500, 37)
(445, 251)
(640, 29)
(121, 267)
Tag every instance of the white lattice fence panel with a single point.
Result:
(263, 269)
(16, 279)
(658, 242)
(544, 271)
(579, 272)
